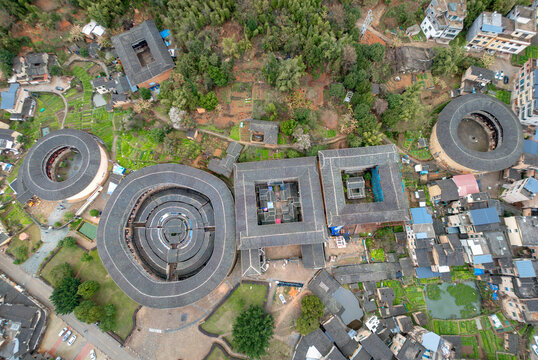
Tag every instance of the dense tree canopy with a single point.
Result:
(88, 288)
(64, 297)
(89, 312)
(252, 330)
(311, 311)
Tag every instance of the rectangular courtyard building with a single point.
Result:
(362, 186)
(279, 203)
(143, 54)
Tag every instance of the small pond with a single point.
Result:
(445, 307)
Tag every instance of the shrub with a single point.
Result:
(145, 93)
(68, 242)
(94, 212)
(337, 90)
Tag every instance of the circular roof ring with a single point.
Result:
(167, 235)
(480, 132)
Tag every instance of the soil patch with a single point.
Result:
(283, 252)
(330, 119)
(231, 29)
(46, 5)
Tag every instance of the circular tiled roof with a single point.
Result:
(510, 145)
(167, 235)
(33, 176)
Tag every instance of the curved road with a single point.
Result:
(42, 292)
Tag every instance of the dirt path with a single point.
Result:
(76, 57)
(285, 313)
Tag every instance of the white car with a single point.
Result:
(536, 339)
(535, 348)
(72, 340)
(282, 298)
(66, 336)
(63, 331)
(92, 354)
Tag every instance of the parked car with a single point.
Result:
(282, 298)
(92, 354)
(536, 339)
(66, 336)
(535, 348)
(505, 80)
(63, 331)
(59, 88)
(59, 358)
(72, 340)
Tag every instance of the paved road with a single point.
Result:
(42, 292)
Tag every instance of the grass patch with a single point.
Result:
(504, 96)
(378, 255)
(109, 292)
(468, 327)
(470, 341)
(433, 292)
(221, 321)
(277, 350)
(234, 133)
(31, 244)
(446, 327)
(492, 343)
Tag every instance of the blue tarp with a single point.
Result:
(494, 296)
(421, 216)
(478, 271)
(165, 33)
(525, 269)
(482, 259)
(494, 287)
(484, 216)
(426, 273)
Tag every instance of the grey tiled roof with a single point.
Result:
(338, 212)
(250, 263)
(312, 228)
(268, 128)
(366, 272)
(225, 166)
(338, 332)
(376, 348)
(449, 190)
(318, 339)
(133, 69)
(33, 178)
(313, 256)
(411, 350)
(506, 153)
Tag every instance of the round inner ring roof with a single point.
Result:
(34, 178)
(121, 263)
(503, 156)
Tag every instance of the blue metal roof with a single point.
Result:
(532, 185)
(421, 216)
(492, 28)
(484, 216)
(426, 273)
(482, 259)
(8, 97)
(530, 147)
(452, 230)
(431, 341)
(422, 235)
(525, 269)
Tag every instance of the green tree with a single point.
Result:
(145, 93)
(157, 135)
(89, 312)
(337, 90)
(60, 272)
(68, 241)
(84, 52)
(284, 74)
(288, 126)
(292, 153)
(447, 60)
(230, 47)
(252, 330)
(105, 12)
(56, 70)
(311, 311)
(64, 297)
(209, 101)
(88, 288)
(108, 323)
(94, 212)
(86, 257)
